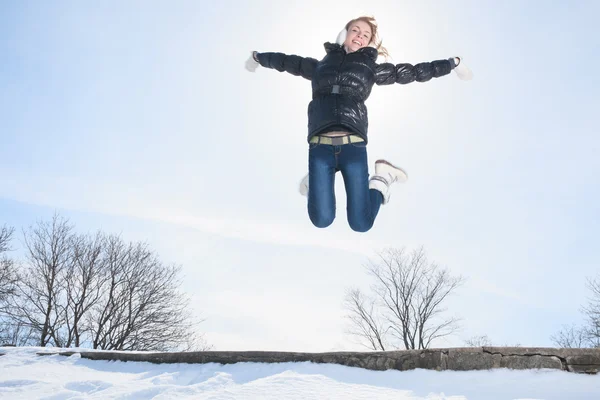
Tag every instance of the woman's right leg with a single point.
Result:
(321, 180)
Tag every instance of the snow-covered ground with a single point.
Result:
(23, 375)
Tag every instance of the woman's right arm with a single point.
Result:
(295, 65)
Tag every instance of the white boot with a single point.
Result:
(385, 175)
(304, 186)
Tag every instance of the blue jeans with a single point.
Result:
(351, 159)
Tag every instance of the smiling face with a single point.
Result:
(359, 35)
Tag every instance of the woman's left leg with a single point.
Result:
(362, 203)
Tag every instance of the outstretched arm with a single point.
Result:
(295, 65)
(388, 73)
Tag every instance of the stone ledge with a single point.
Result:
(455, 359)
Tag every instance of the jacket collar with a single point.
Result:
(369, 51)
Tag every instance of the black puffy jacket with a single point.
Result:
(342, 82)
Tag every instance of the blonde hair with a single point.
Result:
(374, 33)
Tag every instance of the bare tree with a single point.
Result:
(8, 285)
(410, 291)
(587, 335)
(141, 308)
(570, 337)
(83, 282)
(83, 290)
(195, 341)
(14, 333)
(366, 324)
(592, 313)
(104, 317)
(5, 238)
(48, 246)
(8, 278)
(478, 341)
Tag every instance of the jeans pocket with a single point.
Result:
(360, 145)
(312, 145)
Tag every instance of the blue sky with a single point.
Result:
(139, 118)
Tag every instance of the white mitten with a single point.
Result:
(251, 63)
(462, 71)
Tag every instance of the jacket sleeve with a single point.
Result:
(295, 65)
(388, 74)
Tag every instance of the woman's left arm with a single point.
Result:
(388, 73)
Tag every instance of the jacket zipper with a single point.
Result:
(337, 98)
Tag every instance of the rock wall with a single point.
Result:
(456, 359)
